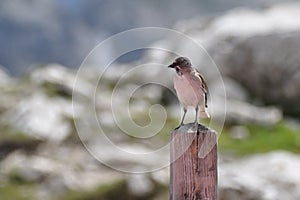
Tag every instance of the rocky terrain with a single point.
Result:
(50, 138)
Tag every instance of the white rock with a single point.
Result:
(162, 176)
(267, 176)
(242, 112)
(41, 117)
(5, 79)
(59, 75)
(139, 184)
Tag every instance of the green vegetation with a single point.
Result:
(8, 133)
(54, 90)
(112, 191)
(117, 190)
(261, 139)
(11, 140)
(16, 192)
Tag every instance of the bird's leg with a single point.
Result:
(196, 120)
(184, 112)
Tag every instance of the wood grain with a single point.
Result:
(194, 174)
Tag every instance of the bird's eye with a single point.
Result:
(177, 69)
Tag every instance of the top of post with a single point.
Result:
(193, 128)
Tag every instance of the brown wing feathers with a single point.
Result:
(204, 86)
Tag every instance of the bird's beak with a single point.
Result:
(173, 65)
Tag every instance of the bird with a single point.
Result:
(191, 88)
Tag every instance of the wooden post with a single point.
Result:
(194, 174)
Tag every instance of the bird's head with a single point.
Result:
(181, 65)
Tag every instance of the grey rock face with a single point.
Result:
(260, 50)
(267, 65)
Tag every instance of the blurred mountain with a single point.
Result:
(38, 32)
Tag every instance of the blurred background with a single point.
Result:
(254, 43)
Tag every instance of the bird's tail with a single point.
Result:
(203, 113)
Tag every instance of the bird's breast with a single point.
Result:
(188, 90)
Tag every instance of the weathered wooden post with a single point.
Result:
(194, 174)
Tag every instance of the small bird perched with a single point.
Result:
(190, 87)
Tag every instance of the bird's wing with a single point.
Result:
(203, 85)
